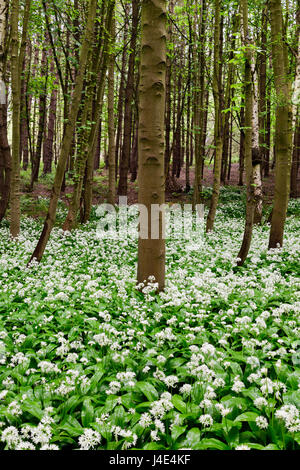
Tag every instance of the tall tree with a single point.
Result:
(17, 58)
(251, 134)
(125, 155)
(111, 119)
(68, 134)
(5, 157)
(283, 129)
(151, 251)
(217, 92)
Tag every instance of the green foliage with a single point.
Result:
(87, 361)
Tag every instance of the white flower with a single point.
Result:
(186, 388)
(260, 402)
(171, 380)
(208, 349)
(11, 436)
(261, 422)
(154, 435)
(238, 385)
(242, 447)
(89, 440)
(48, 367)
(25, 445)
(3, 394)
(14, 408)
(222, 409)
(145, 420)
(114, 387)
(290, 415)
(206, 420)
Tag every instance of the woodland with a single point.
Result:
(186, 339)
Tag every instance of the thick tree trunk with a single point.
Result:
(151, 252)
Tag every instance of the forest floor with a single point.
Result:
(88, 361)
(35, 203)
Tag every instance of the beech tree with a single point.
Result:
(283, 129)
(151, 251)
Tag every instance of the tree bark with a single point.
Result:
(111, 120)
(68, 135)
(151, 251)
(217, 92)
(5, 157)
(283, 130)
(125, 155)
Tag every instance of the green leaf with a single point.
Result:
(193, 438)
(153, 446)
(87, 413)
(34, 409)
(148, 390)
(248, 416)
(213, 444)
(177, 431)
(179, 404)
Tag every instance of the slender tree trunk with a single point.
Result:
(125, 155)
(283, 130)
(199, 99)
(90, 151)
(296, 161)
(121, 93)
(17, 57)
(42, 120)
(217, 87)
(262, 92)
(68, 134)
(5, 157)
(151, 252)
(242, 146)
(296, 123)
(111, 120)
(250, 136)
(49, 141)
(256, 155)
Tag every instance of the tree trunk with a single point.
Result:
(17, 57)
(111, 120)
(125, 155)
(217, 91)
(151, 252)
(48, 144)
(68, 135)
(42, 120)
(283, 134)
(97, 112)
(251, 136)
(5, 157)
